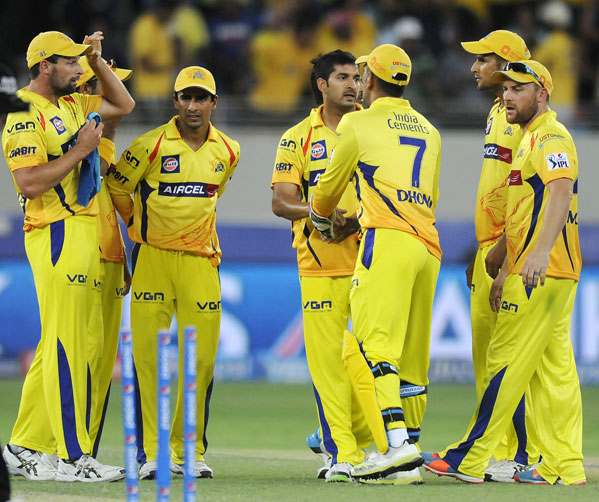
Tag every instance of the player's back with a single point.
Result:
(397, 169)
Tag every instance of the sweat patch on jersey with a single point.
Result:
(557, 161)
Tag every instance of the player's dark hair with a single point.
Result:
(34, 71)
(393, 90)
(324, 65)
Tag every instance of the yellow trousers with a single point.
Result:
(56, 400)
(530, 346)
(166, 283)
(392, 294)
(325, 302)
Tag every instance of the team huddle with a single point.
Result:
(358, 178)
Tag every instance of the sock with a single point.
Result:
(396, 437)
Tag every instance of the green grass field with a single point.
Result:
(257, 450)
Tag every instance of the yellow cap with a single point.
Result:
(390, 63)
(50, 43)
(525, 72)
(88, 73)
(506, 44)
(195, 76)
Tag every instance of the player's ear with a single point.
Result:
(322, 84)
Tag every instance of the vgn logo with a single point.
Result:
(208, 306)
(147, 296)
(511, 308)
(77, 278)
(324, 305)
(170, 164)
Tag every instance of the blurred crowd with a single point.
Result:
(260, 50)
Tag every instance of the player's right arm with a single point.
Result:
(127, 173)
(287, 179)
(37, 178)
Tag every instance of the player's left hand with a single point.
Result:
(495, 257)
(127, 279)
(534, 269)
(496, 291)
(95, 40)
(342, 231)
(321, 223)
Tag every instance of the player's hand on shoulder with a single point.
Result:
(89, 136)
(95, 40)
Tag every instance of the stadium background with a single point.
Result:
(261, 332)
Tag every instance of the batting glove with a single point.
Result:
(322, 224)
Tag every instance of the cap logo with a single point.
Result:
(198, 74)
(42, 53)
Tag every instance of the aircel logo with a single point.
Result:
(498, 152)
(189, 189)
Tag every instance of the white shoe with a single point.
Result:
(88, 470)
(32, 465)
(412, 477)
(340, 472)
(402, 458)
(322, 470)
(148, 470)
(200, 469)
(504, 471)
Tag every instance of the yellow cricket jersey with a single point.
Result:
(394, 153)
(302, 157)
(112, 247)
(546, 153)
(501, 142)
(175, 189)
(40, 135)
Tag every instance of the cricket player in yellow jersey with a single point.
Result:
(177, 172)
(518, 449)
(533, 295)
(45, 148)
(393, 154)
(115, 277)
(325, 268)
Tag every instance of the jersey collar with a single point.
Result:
(541, 119)
(316, 116)
(388, 100)
(172, 132)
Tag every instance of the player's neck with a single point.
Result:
(331, 116)
(195, 138)
(43, 88)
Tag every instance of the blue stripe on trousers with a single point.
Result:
(519, 420)
(207, 412)
(368, 248)
(139, 423)
(327, 438)
(455, 456)
(67, 404)
(56, 240)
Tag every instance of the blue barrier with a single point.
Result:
(262, 335)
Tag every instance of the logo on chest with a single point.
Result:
(319, 150)
(488, 128)
(170, 164)
(58, 125)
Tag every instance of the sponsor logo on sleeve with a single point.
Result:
(288, 144)
(283, 167)
(23, 151)
(515, 177)
(170, 164)
(319, 150)
(557, 161)
(498, 152)
(18, 127)
(58, 125)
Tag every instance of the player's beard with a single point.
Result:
(527, 112)
(61, 86)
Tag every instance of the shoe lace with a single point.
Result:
(29, 465)
(87, 466)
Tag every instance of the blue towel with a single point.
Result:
(90, 181)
